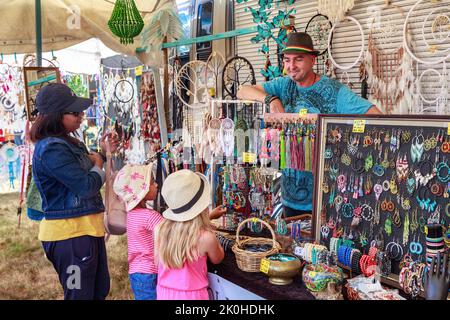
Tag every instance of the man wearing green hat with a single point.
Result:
(302, 88)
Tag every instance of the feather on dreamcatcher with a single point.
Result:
(335, 10)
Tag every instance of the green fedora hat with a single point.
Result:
(300, 42)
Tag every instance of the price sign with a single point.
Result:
(265, 265)
(448, 130)
(298, 251)
(359, 126)
(303, 112)
(138, 71)
(249, 157)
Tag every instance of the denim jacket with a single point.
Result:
(67, 181)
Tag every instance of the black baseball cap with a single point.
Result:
(57, 97)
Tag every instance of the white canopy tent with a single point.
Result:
(66, 23)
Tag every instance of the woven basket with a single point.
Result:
(249, 261)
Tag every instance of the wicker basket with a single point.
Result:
(250, 261)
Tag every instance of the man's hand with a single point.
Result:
(217, 212)
(96, 159)
(112, 139)
(438, 278)
(276, 106)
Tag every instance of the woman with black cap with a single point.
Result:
(69, 179)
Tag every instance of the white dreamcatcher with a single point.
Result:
(435, 33)
(335, 10)
(431, 91)
(191, 89)
(215, 65)
(330, 37)
(389, 71)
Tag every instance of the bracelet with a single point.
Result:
(268, 99)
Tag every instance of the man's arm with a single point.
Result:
(257, 93)
(374, 110)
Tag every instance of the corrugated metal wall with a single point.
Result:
(347, 39)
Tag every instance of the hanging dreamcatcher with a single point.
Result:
(10, 153)
(319, 27)
(237, 72)
(215, 65)
(431, 91)
(386, 67)
(191, 89)
(434, 33)
(335, 10)
(191, 84)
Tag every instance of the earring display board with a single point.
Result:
(379, 181)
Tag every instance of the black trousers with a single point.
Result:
(82, 266)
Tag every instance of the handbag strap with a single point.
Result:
(109, 163)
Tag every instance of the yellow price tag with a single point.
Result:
(249, 157)
(448, 130)
(303, 112)
(359, 126)
(265, 265)
(138, 71)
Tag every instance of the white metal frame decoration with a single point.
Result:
(432, 47)
(330, 37)
(440, 102)
(191, 79)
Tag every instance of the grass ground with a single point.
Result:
(25, 271)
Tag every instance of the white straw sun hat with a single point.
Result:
(186, 194)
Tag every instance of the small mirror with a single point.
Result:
(35, 78)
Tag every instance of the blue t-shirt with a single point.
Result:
(325, 96)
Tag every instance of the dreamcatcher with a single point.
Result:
(335, 10)
(319, 27)
(434, 34)
(389, 72)
(215, 65)
(10, 153)
(191, 84)
(344, 68)
(237, 72)
(120, 107)
(431, 91)
(191, 89)
(431, 87)
(11, 88)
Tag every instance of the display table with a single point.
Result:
(256, 283)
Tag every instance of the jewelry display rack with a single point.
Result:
(379, 180)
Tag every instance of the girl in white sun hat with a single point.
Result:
(185, 239)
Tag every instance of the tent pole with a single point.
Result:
(166, 85)
(37, 7)
(160, 106)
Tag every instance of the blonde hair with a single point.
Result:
(177, 242)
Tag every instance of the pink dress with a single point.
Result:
(188, 283)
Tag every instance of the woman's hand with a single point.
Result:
(217, 212)
(96, 159)
(112, 139)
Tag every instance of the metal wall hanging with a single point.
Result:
(237, 72)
